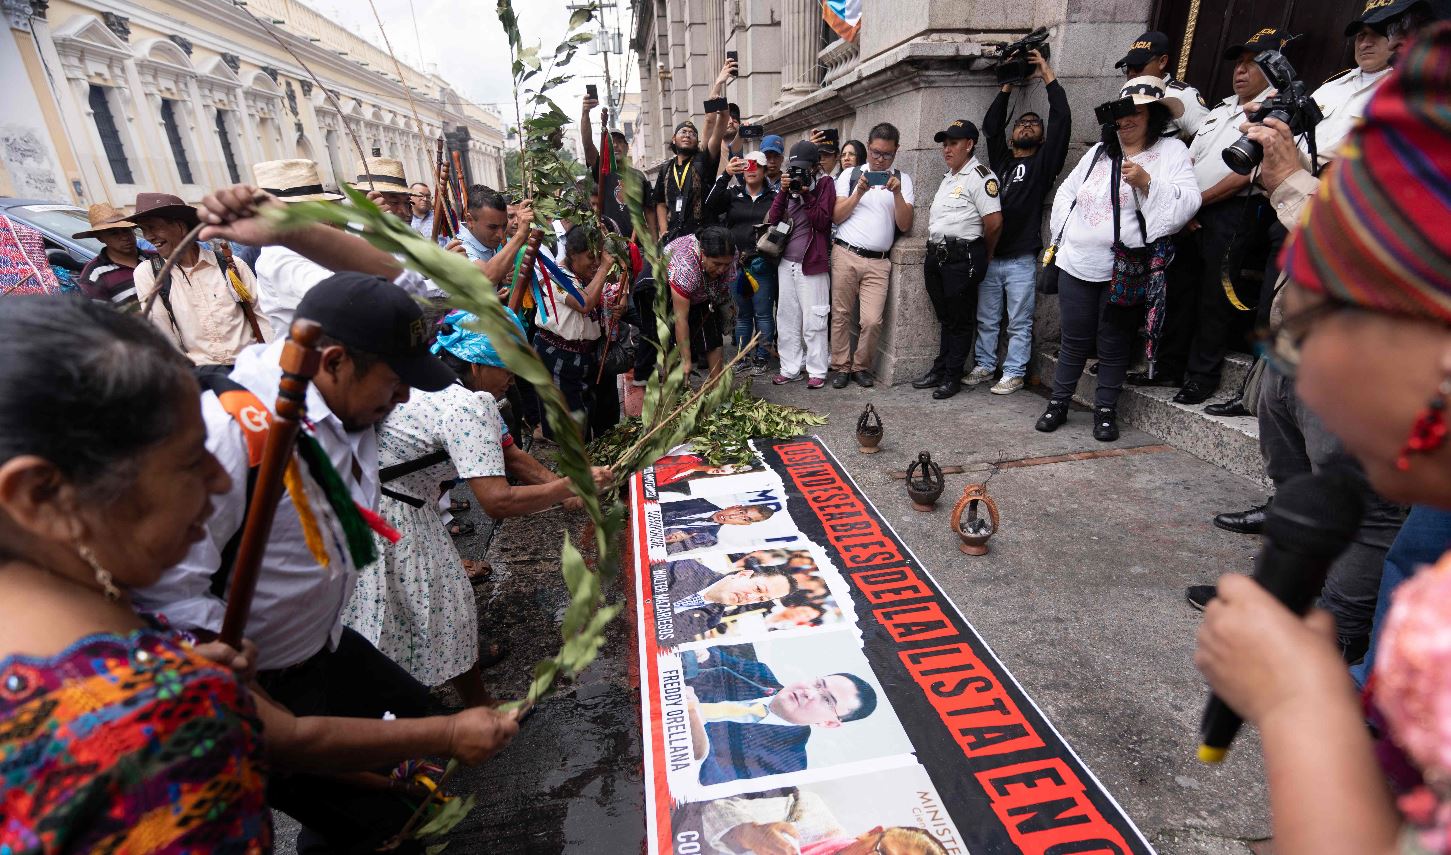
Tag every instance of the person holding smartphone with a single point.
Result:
(873, 206)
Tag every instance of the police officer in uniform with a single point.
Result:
(1342, 98)
(963, 227)
(1150, 56)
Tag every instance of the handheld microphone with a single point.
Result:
(1308, 525)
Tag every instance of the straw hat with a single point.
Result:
(104, 218)
(384, 174)
(164, 206)
(1150, 90)
(292, 180)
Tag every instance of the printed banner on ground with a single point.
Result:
(806, 684)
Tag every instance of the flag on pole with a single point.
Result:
(843, 16)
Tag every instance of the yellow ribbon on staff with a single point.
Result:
(755, 286)
(311, 531)
(242, 292)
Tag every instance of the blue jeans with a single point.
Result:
(756, 313)
(1014, 281)
(1422, 540)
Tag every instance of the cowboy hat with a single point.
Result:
(295, 180)
(1150, 90)
(383, 174)
(164, 206)
(104, 218)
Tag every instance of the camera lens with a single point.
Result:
(1243, 155)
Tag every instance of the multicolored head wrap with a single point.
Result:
(471, 346)
(1378, 232)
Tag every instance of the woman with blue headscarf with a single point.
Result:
(415, 603)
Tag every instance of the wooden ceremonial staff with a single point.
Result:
(300, 359)
(439, 211)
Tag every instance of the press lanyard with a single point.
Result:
(680, 186)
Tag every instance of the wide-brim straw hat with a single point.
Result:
(1150, 90)
(104, 217)
(294, 180)
(165, 206)
(384, 174)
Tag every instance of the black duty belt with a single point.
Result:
(951, 249)
(864, 253)
(562, 343)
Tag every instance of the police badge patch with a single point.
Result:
(991, 187)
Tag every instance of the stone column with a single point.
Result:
(715, 35)
(800, 26)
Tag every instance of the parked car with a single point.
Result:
(56, 223)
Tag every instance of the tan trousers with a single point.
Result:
(856, 283)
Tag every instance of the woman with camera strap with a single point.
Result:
(1127, 192)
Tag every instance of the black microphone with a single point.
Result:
(1308, 525)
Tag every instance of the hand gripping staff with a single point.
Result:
(300, 359)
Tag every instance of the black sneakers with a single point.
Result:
(1105, 424)
(1200, 595)
(1053, 417)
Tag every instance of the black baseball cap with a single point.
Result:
(1379, 12)
(1267, 39)
(804, 154)
(1145, 48)
(961, 129)
(373, 315)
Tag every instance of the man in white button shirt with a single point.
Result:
(1233, 225)
(963, 226)
(1342, 98)
(873, 203)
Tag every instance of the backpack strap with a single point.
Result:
(248, 411)
(408, 467)
(163, 290)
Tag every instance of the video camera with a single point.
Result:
(1291, 104)
(1013, 65)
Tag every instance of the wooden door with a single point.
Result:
(1209, 26)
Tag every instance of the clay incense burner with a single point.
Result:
(869, 431)
(975, 519)
(924, 483)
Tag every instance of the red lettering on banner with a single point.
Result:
(858, 538)
(982, 718)
(915, 623)
(1046, 811)
(894, 583)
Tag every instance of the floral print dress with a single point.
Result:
(415, 603)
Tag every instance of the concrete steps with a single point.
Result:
(1230, 443)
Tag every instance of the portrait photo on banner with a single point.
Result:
(742, 596)
(893, 810)
(771, 710)
(730, 522)
(685, 473)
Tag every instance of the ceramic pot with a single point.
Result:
(975, 519)
(924, 483)
(869, 431)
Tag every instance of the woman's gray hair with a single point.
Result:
(87, 388)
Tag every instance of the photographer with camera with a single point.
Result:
(1029, 160)
(1128, 192)
(741, 205)
(963, 225)
(801, 215)
(873, 206)
(1149, 57)
(1233, 226)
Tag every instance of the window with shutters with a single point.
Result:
(110, 137)
(173, 136)
(225, 137)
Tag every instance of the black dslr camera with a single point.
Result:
(1108, 114)
(798, 178)
(1013, 65)
(1292, 105)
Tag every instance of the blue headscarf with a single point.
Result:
(471, 346)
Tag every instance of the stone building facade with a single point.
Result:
(108, 98)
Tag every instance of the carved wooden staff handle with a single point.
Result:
(300, 359)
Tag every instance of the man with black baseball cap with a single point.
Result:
(1149, 57)
(374, 350)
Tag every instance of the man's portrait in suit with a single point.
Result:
(746, 724)
(695, 523)
(699, 598)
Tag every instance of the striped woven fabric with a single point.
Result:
(1378, 232)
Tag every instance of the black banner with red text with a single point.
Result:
(807, 687)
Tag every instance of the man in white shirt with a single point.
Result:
(374, 350)
(1342, 98)
(1233, 225)
(873, 203)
